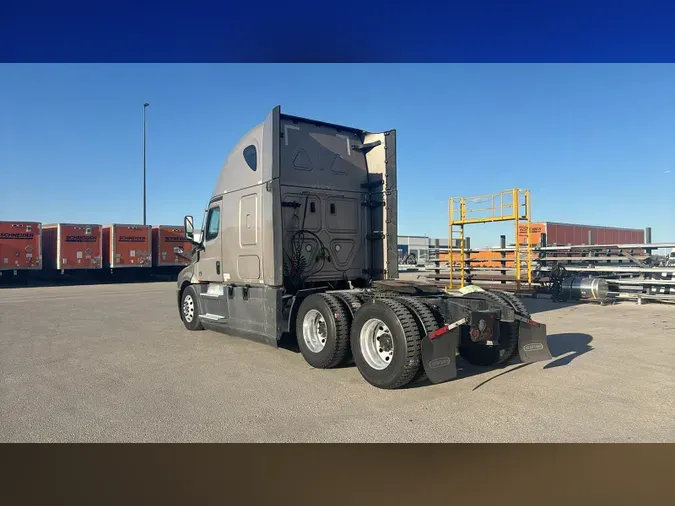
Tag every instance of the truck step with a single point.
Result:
(212, 317)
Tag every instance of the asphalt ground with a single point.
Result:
(113, 363)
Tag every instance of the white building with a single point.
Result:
(423, 248)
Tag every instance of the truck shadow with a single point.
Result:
(85, 279)
(565, 347)
(288, 342)
(542, 304)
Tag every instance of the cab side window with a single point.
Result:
(251, 157)
(213, 223)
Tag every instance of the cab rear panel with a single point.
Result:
(20, 245)
(69, 246)
(336, 210)
(127, 246)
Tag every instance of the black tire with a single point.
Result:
(406, 359)
(521, 309)
(515, 302)
(189, 309)
(353, 301)
(483, 355)
(427, 320)
(337, 320)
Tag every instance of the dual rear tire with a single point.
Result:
(322, 328)
(386, 343)
(382, 335)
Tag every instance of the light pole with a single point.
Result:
(145, 105)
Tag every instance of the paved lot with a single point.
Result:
(114, 363)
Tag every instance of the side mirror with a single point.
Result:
(188, 223)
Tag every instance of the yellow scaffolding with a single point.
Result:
(507, 205)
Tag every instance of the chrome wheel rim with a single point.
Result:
(314, 331)
(377, 344)
(188, 308)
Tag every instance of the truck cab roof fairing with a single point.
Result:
(357, 131)
(235, 173)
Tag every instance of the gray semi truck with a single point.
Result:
(300, 237)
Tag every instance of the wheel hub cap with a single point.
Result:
(314, 331)
(188, 308)
(377, 344)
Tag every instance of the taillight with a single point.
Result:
(482, 328)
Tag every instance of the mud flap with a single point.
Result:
(439, 353)
(532, 342)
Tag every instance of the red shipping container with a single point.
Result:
(127, 246)
(566, 233)
(164, 239)
(69, 246)
(20, 245)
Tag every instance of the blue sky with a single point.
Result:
(594, 143)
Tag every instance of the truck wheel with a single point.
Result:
(385, 342)
(514, 327)
(428, 321)
(484, 355)
(322, 329)
(190, 309)
(514, 302)
(354, 301)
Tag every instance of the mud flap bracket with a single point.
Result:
(532, 342)
(439, 352)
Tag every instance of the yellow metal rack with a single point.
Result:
(507, 205)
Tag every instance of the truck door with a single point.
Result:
(210, 263)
